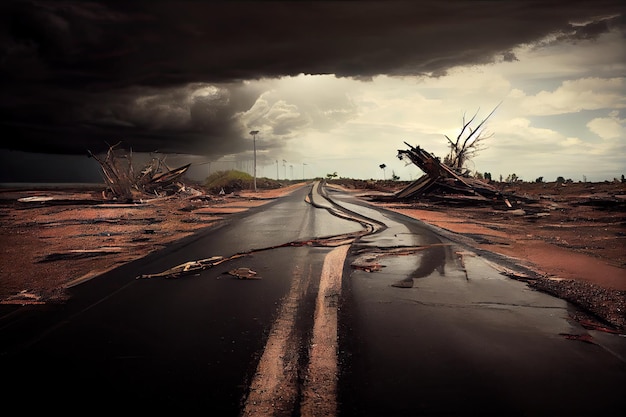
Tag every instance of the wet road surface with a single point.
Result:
(425, 326)
(442, 332)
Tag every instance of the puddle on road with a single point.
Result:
(421, 261)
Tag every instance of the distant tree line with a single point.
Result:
(511, 178)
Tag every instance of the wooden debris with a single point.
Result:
(188, 268)
(442, 181)
(155, 179)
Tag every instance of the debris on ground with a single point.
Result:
(243, 273)
(154, 179)
(187, 268)
(22, 298)
(442, 182)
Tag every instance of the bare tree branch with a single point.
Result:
(463, 149)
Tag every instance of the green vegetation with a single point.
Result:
(233, 181)
(224, 178)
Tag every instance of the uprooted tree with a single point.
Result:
(124, 183)
(468, 143)
(449, 179)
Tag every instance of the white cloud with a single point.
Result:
(609, 128)
(519, 138)
(575, 95)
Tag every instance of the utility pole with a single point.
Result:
(254, 133)
(277, 170)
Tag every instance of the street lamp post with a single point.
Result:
(303, 164)
(254, 133)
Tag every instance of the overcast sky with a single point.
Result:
(330, 86)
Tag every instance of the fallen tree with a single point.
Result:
(450, 179)
(154, 179)
(441, 181)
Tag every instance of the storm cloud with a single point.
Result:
(174, 76)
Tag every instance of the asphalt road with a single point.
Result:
(461, 339)
(423, 326)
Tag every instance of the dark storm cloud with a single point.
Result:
(75, 75)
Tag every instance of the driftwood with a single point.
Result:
(123, 183)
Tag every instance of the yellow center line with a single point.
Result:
(274, 388)
(319, 397)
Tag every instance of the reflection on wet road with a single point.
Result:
(431, 328)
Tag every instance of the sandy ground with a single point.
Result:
(575, 246)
